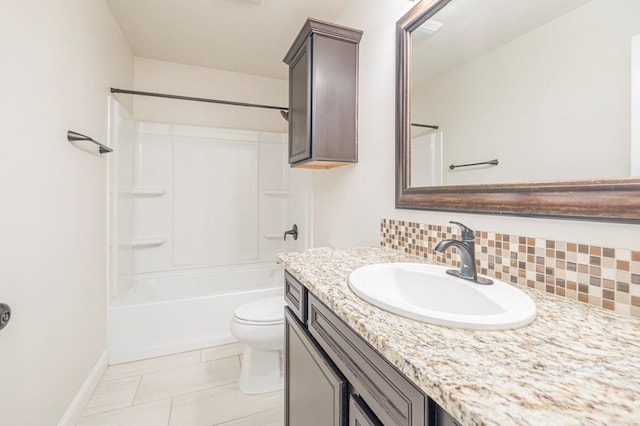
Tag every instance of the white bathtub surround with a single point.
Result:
(167, 313)
(197, 197)
(190, 388)
(122, 134)
(194, 223)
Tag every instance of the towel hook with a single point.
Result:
(75, 136)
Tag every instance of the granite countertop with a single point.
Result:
(574, 365)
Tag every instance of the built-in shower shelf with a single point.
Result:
(274, 235)
(149, 192)
(146, 242)
(143, 192)
(276, 192)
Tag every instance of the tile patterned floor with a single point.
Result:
(187, 389)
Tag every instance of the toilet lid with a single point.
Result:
(268, 309)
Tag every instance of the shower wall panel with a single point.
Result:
(154, 203)
(122, 134)
(215, 186)
(208, 197)
(274, 193)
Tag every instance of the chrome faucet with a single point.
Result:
(467, 250)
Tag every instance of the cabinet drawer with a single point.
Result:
(391, 396)
(295, 295)
(360, 414)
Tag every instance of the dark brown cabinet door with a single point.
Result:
(315, 391)
(334, 107)
(299, 96)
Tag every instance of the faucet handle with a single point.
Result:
(467, 233)
(293, 231)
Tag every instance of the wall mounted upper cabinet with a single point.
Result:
(323, 96)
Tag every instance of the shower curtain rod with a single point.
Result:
(190, 98)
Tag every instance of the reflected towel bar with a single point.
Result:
(490, 162)
(75, 136)
(428, 126)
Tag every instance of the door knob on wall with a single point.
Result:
(293, 231)
(5, 315)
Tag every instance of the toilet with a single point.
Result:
(260, 326)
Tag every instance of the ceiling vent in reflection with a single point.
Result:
(425, 30)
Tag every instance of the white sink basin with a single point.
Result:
(427, 293)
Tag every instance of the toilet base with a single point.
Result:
(261, 371)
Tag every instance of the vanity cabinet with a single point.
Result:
(323, 91)
(333, 374)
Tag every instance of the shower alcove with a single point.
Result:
(196, 216)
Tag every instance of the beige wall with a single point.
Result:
(350, 201)
(58, 61)
(171, 78)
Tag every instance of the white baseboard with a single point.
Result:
(75, 409)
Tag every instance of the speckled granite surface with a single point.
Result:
(574, 365)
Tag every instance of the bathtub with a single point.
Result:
(174, 312)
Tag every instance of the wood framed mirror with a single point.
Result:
(609, 196)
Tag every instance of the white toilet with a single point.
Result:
(260, 326)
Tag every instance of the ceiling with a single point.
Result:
(234, 35)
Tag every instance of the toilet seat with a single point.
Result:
(262, 312)
(257, 323)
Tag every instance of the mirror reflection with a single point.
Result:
(541, 89)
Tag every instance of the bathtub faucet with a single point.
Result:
(293, 231)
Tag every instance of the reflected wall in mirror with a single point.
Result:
(544, 86)
(548, 90)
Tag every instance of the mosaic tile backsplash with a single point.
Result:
(602, 276)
